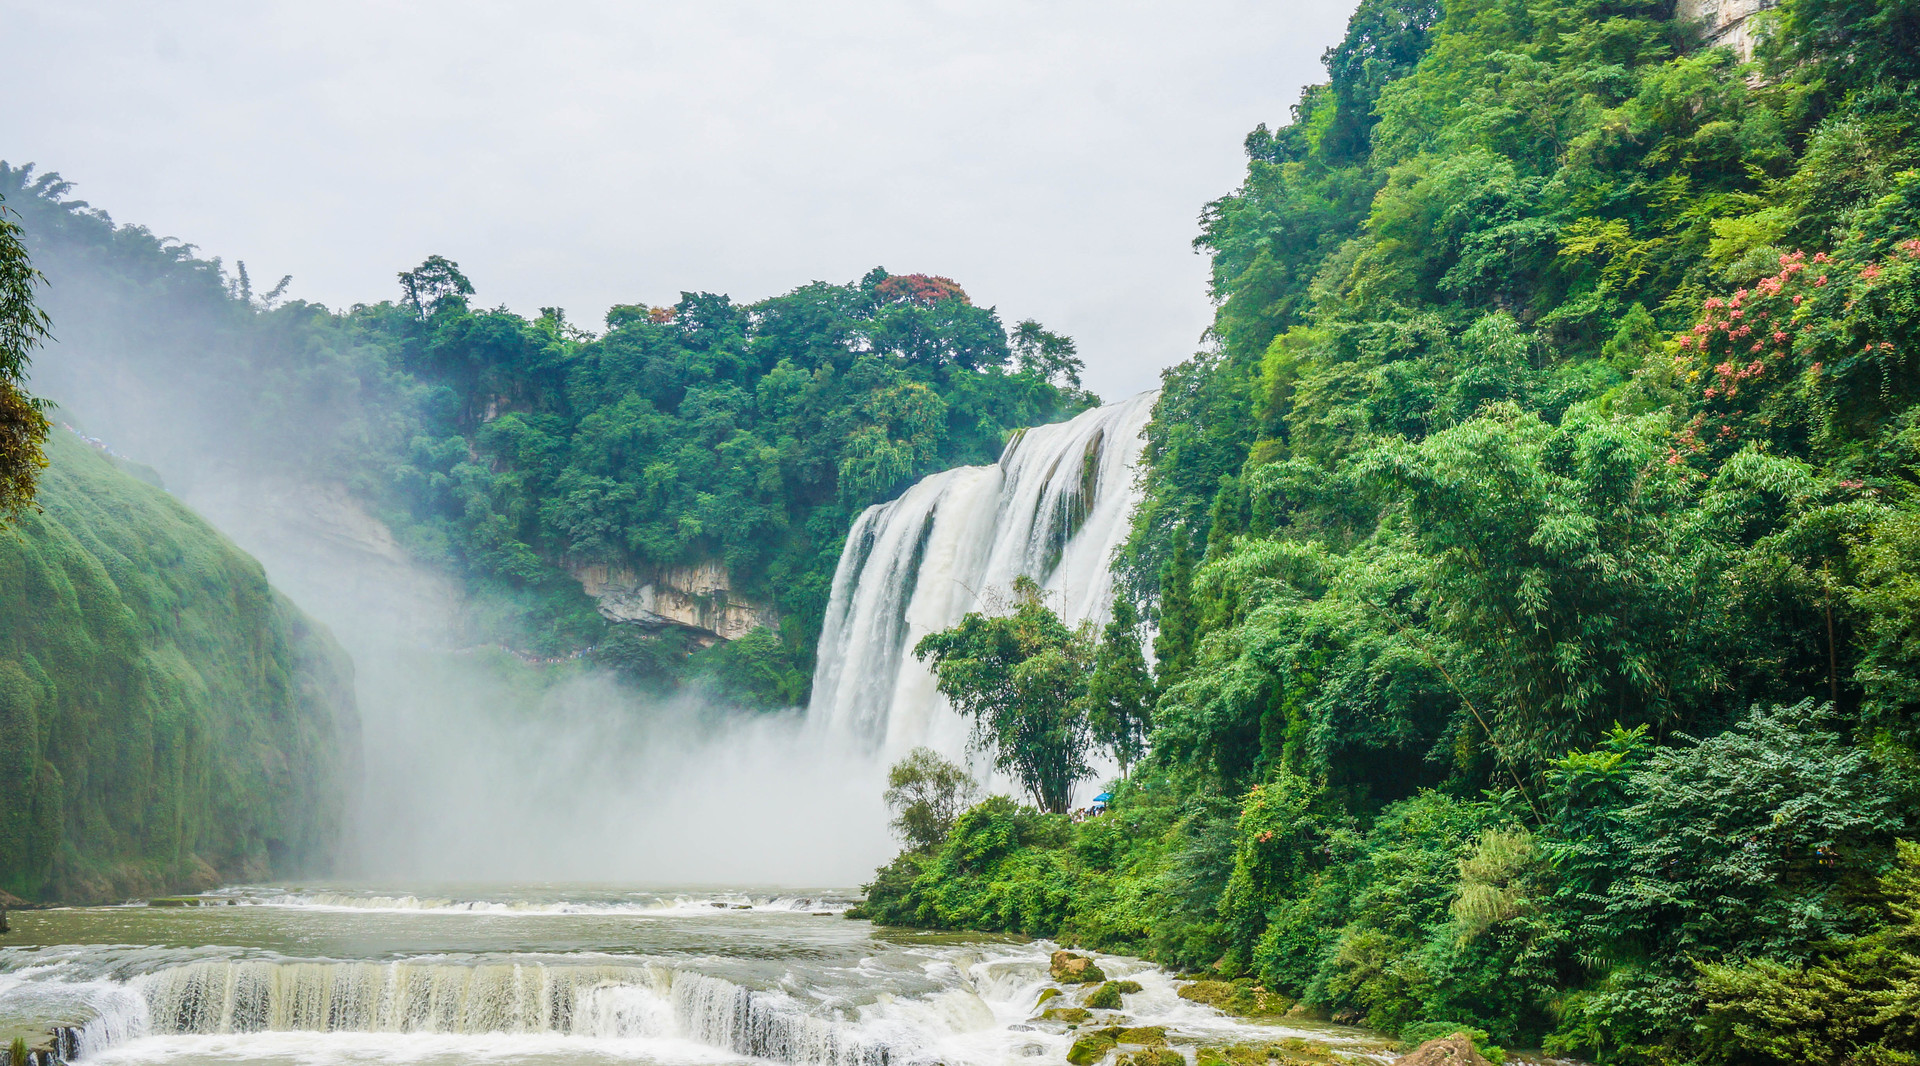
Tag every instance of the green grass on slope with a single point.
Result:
(167, 719)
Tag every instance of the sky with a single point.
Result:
(1053, 156)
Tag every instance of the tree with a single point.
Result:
(434, 286)
(926, 793)
(23, 420)
(1120, 693)
(1576, 565)
(1049, 355)
(1385, 38)
(1022, 678)
(1173, 646)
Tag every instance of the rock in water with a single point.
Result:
(1066, 1015)
(1069, 968)
(1090, 1049)
(1455, 1050)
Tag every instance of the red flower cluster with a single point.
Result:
(1725, 328)
(1737, 340)
(923, 289)
(1772, 336)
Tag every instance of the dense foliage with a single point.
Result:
(1533, 553)
(167, 721)
(512, 452)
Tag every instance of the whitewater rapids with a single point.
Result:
(330, 975)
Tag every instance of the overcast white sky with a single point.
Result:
(1052, 156)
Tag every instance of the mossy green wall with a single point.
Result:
(167, 720)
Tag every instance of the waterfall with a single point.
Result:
(1054, 508)
(608, 1001)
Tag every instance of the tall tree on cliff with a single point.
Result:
(1120, 693)
(23, 420)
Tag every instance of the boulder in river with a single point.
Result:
(1107, 996)
(1066, 1015)
(1455, 1050)
(1090, 1048)
(1069, 968)
(1243, 998)
(1292, 1051)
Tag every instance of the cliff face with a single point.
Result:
(1725, 22)
(167, 719)
(698, 598)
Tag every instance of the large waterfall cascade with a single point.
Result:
(1054, 508)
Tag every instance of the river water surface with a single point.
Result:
(320, 975)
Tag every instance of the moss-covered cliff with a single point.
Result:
(167, 720)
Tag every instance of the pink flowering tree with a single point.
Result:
(1824, 352)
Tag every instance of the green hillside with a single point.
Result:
(167, 720)
(1534, 554)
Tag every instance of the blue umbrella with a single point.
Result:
(1103, 797)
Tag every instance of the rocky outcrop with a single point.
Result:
(1724, 22)
(699, 598)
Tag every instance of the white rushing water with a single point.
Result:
(551, 975)
(1054, 508)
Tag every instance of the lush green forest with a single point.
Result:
(167, 720)
(506, 450)
(1534, 556)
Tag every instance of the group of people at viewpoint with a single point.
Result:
(1095, 809)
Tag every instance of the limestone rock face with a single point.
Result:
(698, 598)
(1725, 22)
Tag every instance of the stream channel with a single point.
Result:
(548, 974)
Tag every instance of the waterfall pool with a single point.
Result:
(325, 974)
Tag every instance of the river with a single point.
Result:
(319, 975)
